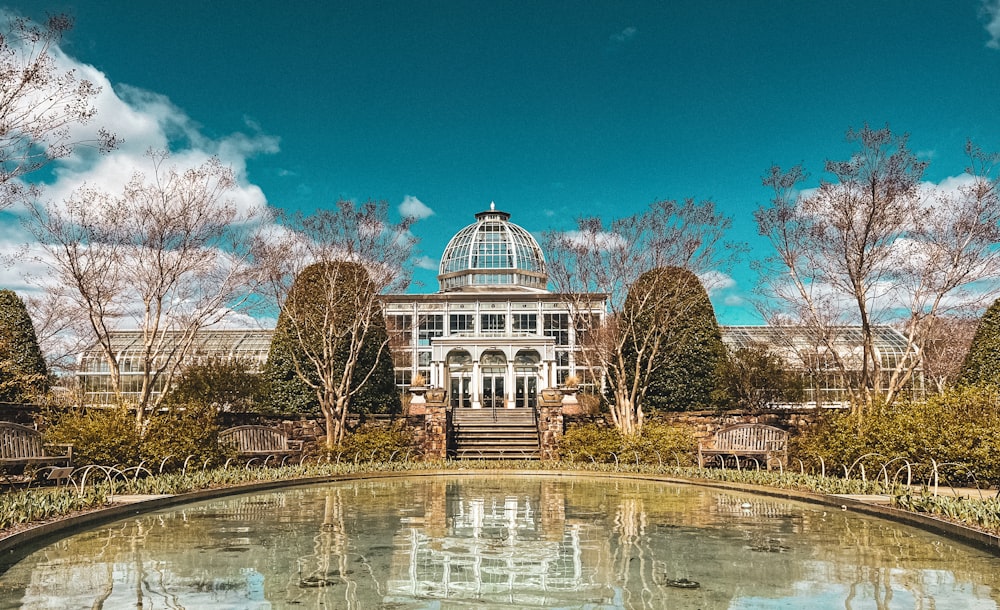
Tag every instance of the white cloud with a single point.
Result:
(601, 240)
(991, 9)
(425, 262)
(414, 208)
(624, 35)
(716, 281)
(144, 121)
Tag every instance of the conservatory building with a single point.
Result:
(492, 336)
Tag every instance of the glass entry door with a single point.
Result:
(460, 391)
(526, 389)
(493, 397)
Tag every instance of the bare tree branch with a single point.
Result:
(874, 247)
(595, 260)
(169, 256)
(39, 104)
(351, 254)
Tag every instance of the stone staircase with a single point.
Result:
(503, 434)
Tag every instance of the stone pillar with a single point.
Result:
(436, 425)
(550, 423)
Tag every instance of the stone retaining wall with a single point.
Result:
(706, 423)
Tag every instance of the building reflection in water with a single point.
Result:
(476, 541)
(509, 545)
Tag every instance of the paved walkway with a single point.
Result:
(965, 492)
(132, 499)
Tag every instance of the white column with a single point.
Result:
(509, 385)
(474, 386)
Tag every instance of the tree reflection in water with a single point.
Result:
(490, 541)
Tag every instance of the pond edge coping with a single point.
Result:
(16, 543)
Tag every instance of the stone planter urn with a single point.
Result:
(417, 400)
(418, 393)
(436, 396)
(570, 405)
(569, 394)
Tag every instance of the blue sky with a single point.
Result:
(550, 109)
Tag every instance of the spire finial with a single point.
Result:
(493, 206)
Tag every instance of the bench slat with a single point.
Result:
(23, 446)
(258, 441)
(746, 440)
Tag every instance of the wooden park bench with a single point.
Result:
(259, 442)
(746, 441)
(22, 451)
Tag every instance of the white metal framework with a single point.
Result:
(251, 345)
(492, 254)
(825, 383)
(492, 336)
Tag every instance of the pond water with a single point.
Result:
(492, 541)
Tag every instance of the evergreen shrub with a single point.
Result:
(109, 437)
(23, 374)
(377, 442)
(658, 443)
(188, 430)
(959, 430)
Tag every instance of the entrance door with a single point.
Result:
(526, 364)
(493, 396)
(460, 378)
(460, 392)
(526, 390)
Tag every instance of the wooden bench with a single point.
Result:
(22, 448)
(259, 442)
(746, 441)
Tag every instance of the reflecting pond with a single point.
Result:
(502, 542)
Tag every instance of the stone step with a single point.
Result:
(494, 434)
(500, 415)
(501, 441)
(494, 426)
(499, 454)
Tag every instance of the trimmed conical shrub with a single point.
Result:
(23, 374)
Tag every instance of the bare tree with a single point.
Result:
(326, 276)
(39, 104)
(946, 344)
(169, 256)
(871, 247)
(597, 261)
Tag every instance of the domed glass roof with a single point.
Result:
(492, 254)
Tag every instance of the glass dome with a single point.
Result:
(492, 254)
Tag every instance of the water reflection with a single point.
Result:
(491, 541)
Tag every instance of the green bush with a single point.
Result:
(658, 443)
(376, 442)
(109, 437)
(959, 430)
(99, 436)
(190, 430)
